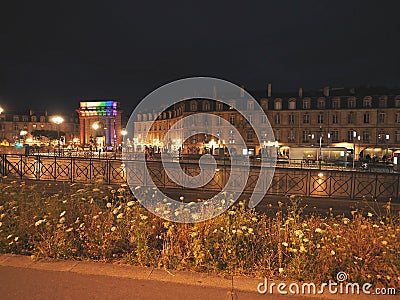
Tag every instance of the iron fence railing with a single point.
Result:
(313, 182)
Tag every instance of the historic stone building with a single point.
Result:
(360, 122)
(35, 127)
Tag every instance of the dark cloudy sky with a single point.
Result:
(55, 54)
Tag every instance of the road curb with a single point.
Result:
(240, 283)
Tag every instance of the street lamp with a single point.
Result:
(387, 137)
(58, 120)
(124, 132)
(96, 126)
(1, 110)
(354, 146)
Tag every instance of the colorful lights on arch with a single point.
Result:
(98, 108)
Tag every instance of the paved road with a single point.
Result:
(21, 283)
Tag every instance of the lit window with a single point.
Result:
(351, 102)
(320, 118)
(306, 118)
(292, 103)
(278, 104)
(291, 119)
(306, 103)
(367, 102)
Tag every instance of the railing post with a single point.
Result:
(21, 166)
(72, 170)
(108, 170)
(55, 168)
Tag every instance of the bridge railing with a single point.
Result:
(314, 182)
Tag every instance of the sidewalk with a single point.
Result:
(22, 277)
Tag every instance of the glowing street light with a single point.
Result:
(58, 120)
(124, 132)
(96, 126)
(1, 110)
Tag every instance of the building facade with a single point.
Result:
(362, 123)
(36, 127)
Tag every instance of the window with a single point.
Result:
(351, 102)
(321, 103)
(335, 119)
(306, 118)
(220, 106)
(397, 136)
(264, 104)
(335, 135)
(381, 137)
(306, 103)
(250, 117)
(365, 136)
(34, 119)
(367, 102)
(350, 135)
(232, 119)
(381, 117)
(16, 118)
(366, 118)
(250, 136)
(291, 119)
(350, 118)
(24, 118)
(320, 118)
(397, 117)
(42, 119)
(397, 101)
(277, 119)
(291, 137)
(231, 137)
(16, 127)
(219, 120)
(292, 103)
(264, 119)
(305, 136)
(250, 105)
(383, 101)
(205, 120)
(193, 105)
(278, 104)
(206, 106)
(336, 103)
(277, 135)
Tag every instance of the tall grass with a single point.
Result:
(99, 222)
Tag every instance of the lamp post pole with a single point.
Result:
(58, 120)
(354, 146)
(387, 137)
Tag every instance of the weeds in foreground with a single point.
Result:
(99, 222)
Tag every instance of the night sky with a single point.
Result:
(55, 54)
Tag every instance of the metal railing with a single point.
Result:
(349, 184)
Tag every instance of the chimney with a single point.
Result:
(242, 91)
(269, 90)
(326, 91)
(300, 92)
